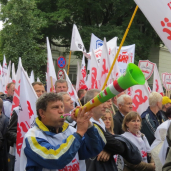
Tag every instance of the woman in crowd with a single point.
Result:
(109, 125)
(108, 120)
(132, 125)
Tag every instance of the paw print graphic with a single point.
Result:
(165, 24)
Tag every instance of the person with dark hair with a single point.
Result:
(8, 99)
(3, 141)
(38, 88)
(52, 144)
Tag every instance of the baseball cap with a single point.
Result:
(165, 100)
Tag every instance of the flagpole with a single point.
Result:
(122, 42)
(69, 62)
(51, 83)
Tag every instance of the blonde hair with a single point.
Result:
(129, 117)
(112, 123)
(154, 97)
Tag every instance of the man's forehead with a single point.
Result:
(38, 86)
(66, 96)
(58, 102)
(62, 84)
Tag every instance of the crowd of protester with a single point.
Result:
(110, 137)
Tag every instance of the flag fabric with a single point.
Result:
(126, 56)
(157, 85)
(104, 67)
(80, 80)
(71, 90)
(158, 14)
(8, 73)
(83, 68)
(4, 73)
(95, 43)
(98, 52)
(76, 41)
(38, 80)
(27, 114)
(32, 77)
(13, 73)
(50, 69)
(16, 97)
(116, 70)
(92, 79)
(140, 95)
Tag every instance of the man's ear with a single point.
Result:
(119, 106)
(41, 113)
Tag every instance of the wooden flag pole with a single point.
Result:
(123, 39)
(69, 62)
(51, 81)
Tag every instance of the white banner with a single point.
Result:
(125, 57)
(158, 13)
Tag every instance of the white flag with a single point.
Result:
(140, 96)
(158, 13)
(92, 79)
(4, 73)
(13, 73)
(76, 41)
(31, 77)
(80, 80)
(71, 90)
(16, 97)
(95, 43)
(157, 86)
(26, 116)
(104, 66)
(50, 69)
(83, 68)
(38, 80)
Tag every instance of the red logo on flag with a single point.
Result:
(166, 24)
(23, 127)
(93, 78)
(138, 99)
(104, 71)
(157, 85)
(73, 167)
(169, 4)
(30, 110)
(123, 57)
(71, 93)
(83, 71)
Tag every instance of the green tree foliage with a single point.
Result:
(22, 24)
(103, 18)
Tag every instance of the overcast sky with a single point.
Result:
(0, 25)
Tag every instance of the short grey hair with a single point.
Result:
(44, 99)
(154, 97)
(90, 94)
(62, 93)
(121, 99)
(61, 81)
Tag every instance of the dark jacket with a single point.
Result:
(3, 143)
(118, 119)
(116, 144)
(12, 129)
(150, 122)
